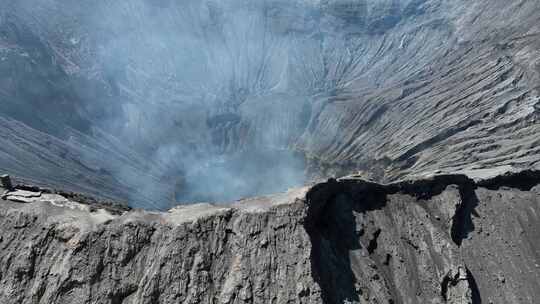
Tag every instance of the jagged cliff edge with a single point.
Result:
(444, 239)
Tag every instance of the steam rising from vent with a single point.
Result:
(209, 91)
(214, 94)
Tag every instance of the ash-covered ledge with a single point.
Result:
(28, 194)
(24, 193)
(443, 239)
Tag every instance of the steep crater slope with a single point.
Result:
(156, 102)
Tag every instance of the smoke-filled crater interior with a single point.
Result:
(210, 101)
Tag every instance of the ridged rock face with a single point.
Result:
(440, 240)
(393, 89)
(451, 89)
(60, 252)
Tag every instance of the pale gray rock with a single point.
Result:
(248, 253)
